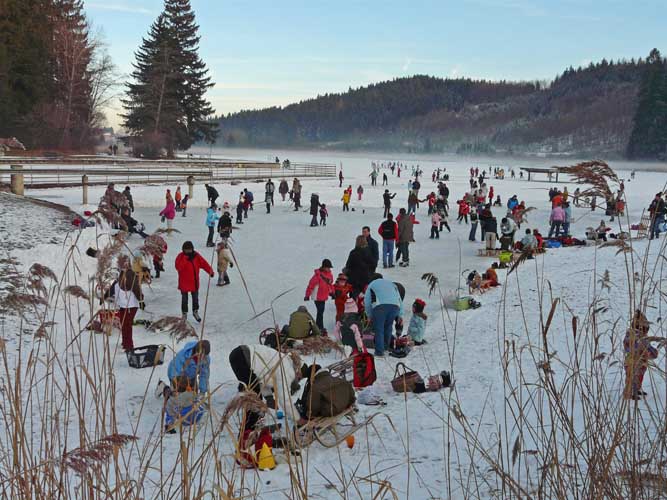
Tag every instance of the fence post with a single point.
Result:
(84, 185)
(191, 186)
(16, 180)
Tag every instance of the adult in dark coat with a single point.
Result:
(314, 209)
(211, 193)
(373, 247)
(358, 265)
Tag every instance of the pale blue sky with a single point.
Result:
(262, 53)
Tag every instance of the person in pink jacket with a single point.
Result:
(169, 212)
(322, 280)
(557, 218)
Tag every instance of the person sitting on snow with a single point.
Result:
(133, 226)
(417, 324)
(301, 324)
(324, 395)
(348, 327)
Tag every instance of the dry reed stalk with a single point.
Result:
(175, 326)
(76, 291)
(316, 345)
(82, 460)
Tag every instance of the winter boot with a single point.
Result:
(226, 279)
(220, 281)
(195, 314)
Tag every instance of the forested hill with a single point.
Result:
(584, 110)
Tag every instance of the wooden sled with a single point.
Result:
(332, 431)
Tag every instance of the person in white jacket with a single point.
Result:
(269, 373)
(225, 260)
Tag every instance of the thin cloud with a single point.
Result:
(119, 7)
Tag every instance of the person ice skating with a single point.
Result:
(638, 352)
(417, 325)
(269, 190)
(314, 209)
(248, 200)
(374, 177)
(178, 198)
(464, 210)
(340, 178)
(225, 225)
(383, 305)
(373, 246)
(128, 297)
(168, 213)
(296, 194)
(388, 230)
(239, 211)
(302, 325)
(283, 189)
(385, 180)
(267, 201)
(211, 218)
(322, 280)
(211, 194)
(184, 204)
(386, 198)
(133, 226)
(359, 264)
(346, 200)
(324, 213)
(323, 395)
(188, 265)
(192, 365)
(406, 235)
(225, 260)
(128, 195)
(435, 225)
(658, 210)
(474, 219)
(360, 192)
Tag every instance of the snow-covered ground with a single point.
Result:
(279, 251)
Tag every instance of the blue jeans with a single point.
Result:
(655, 227)
(383, 317)
(473, 231)
(388, 252)
(566, 228)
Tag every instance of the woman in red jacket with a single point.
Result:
(322, 280)
(188, 265)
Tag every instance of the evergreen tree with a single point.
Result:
(648, 139)
(165, 105)
(25, 82)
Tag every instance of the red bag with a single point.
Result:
(364, 370)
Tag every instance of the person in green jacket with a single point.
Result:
(302, 324)
(324, 395)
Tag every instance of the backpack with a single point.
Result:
(363, 370)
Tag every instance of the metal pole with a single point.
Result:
(84, 185)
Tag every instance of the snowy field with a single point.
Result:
(441, 444)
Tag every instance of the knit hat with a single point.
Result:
(351, 306)
(326, 263)
(341, 277)
(419, 305)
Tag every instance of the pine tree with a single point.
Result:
(25, 66)
(165, 105)
(648, 139)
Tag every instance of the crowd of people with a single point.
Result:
(369, 307)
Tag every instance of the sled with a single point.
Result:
(644, 224)
(331, 431)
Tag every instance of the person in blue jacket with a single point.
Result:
(211, 218)
(384, 305)
(193, 363)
